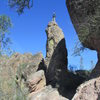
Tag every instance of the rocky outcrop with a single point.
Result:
(89, 90)
(56, 56)
(35, 64)
(85, 16)
(60, 80)
(26, 62)
(16, 69)
(47, 93)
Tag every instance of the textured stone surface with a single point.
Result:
(56, 55)
(89, 90)
(47, 93)
(85, 16)
(36, 81)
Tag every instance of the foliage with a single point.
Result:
(11, 88)
(20, 5)
(81, 63)
(21, 90)
(72, 68)
(5, 24)
(7, 83)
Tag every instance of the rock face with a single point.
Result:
(56, 56)
(85, 16)
(47, 93)
(89, 90)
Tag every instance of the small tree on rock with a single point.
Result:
(5, 24)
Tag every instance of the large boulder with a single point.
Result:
(89, 90)
(85, 16)
(56, 56)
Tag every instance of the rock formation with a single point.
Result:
(85, 16)
(18, 69)
(39, 79)
(56, 55)
(31, 81)
(60, 82)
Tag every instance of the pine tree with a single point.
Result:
(5, 24)
(81, 63)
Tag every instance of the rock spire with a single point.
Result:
(56, 54)
(54, 17)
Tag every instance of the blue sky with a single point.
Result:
(28, 32)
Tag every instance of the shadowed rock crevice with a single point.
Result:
(96, 71)
(42, 66)
(57, 69)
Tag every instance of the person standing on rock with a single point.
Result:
(54, 17)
